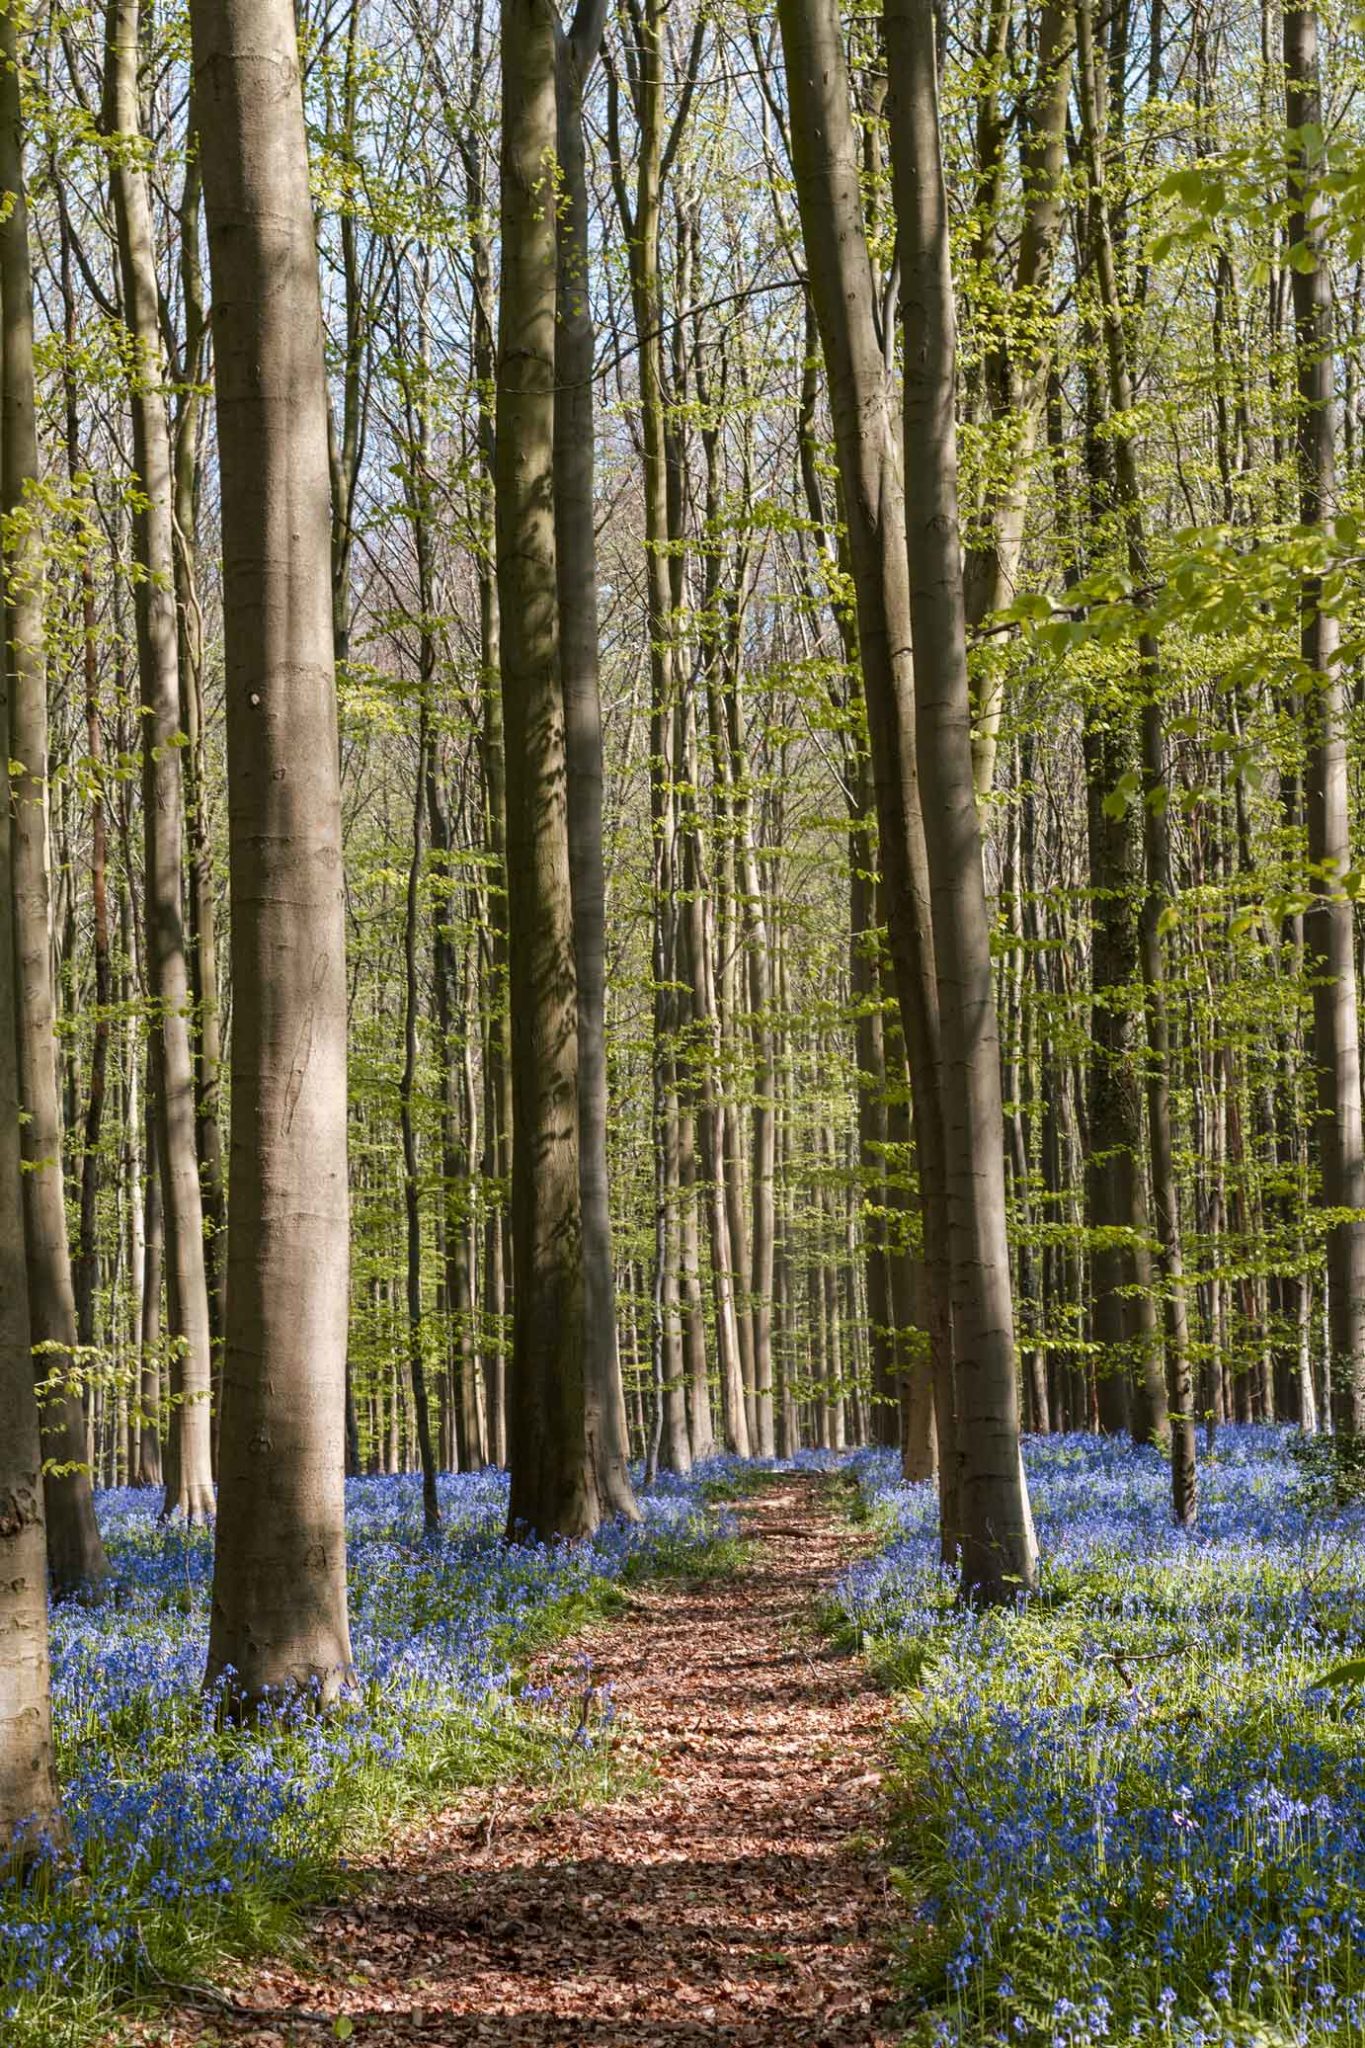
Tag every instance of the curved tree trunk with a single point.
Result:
(998, 1548)
(279, 1595)
(828, 173)
(419, 512)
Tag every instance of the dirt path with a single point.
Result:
(737, 1897)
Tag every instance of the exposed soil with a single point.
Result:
(736, 1895)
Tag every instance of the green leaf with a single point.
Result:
(1343, 1674)
(343, 2026)
(1127, 787)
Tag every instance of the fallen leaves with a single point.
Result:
(734, 1898)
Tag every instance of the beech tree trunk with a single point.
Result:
(87, 1262)
(642, 216)
(497, 1145)
(28, 1785)
(202, 908)
(279, 1619)
(699, 1152)
(763, 1154)
(576, 565)
(149, 1462)
(412, 1209)
(1329, 925)
(711, 1008)
(554, 1491)
(828, 173)
(1155, 830)
(998, 1547)
(189, 1464)
(1126, 1323)
(75, 1553)
(455, 1143)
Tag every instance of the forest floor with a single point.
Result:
(731, 1889)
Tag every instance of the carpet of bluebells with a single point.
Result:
(1131, 1812)
(186, 1834)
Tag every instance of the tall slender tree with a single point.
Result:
(828, 184)
(75, 1553)
(998, 1546)
(279, 1617)
(554, 1490)
(28, 1789)
(189, 1466)
(577, 48)
(1155, 797)
(1329, 928)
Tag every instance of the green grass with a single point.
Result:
(739, 1482)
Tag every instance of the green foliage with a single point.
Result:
(1331, 1471)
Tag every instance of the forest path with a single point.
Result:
(736, 1896)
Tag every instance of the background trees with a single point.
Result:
(856, 1112)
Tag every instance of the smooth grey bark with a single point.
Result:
(641, 217)
(995, 1525)
(828, 176)
(899, 1370)
(710, 929)
(1126, 1323)
(75, 1553)
(1329, 924)
(87, 1261)
(554, 1489)
(149, 1461)
(455, 1144)
(412, 1207)
(419, 511)
(28, 1785)
(763, 1143)
(131, 1179)
(201, 906)
(700, 1147)
(189, 1465)
(279, 1619)
(576, 567)
(496, 1162)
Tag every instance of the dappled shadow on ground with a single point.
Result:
(736, 1896)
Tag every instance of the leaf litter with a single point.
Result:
(731, 1891)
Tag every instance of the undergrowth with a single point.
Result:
(193, 1842)
(1130, 1811)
